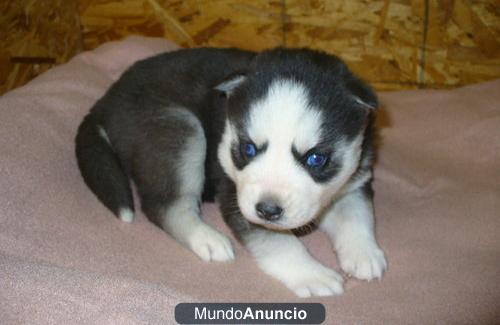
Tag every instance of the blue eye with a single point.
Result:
(249, 150)
(316, 160)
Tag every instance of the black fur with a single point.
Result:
(332, 88)
(239, 159)
(100, 167)
(147, 136)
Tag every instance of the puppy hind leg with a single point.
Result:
(177, 192)
(182, 221)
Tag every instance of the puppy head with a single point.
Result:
(293, 134)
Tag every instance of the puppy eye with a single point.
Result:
(316, 160)
(249, 150)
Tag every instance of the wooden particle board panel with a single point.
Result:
(379, 40)
(467, 47)
(403, 44)
(393, 44)
(34, 36)
(245, 24)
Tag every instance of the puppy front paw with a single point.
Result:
(319, 281)
(306, 279)
(211, 245)
(363, 260)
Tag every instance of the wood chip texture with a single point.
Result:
(393, 44)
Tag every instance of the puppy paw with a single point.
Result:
(211, 245)
(320, 281)
(363, 260)
(306, 279)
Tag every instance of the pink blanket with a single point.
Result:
(65, 259)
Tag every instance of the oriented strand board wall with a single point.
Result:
(391, 43)
(34, 36)
(397, 44)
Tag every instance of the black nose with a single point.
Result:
(268, 210)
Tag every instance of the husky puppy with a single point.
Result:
(283, 138)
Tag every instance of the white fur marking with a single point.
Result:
(350, 154)
(362, 103)
(182, 218)
(284, 119)
(126, 215)
(182, 221)
(103, 134)
(282, 256)
(224, 150)
(230, 85)
(191, 166)
(349, 224)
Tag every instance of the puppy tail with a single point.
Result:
(101, 169)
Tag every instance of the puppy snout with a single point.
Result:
(269, 210)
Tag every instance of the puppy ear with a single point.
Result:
(230, 84)
(362, 94)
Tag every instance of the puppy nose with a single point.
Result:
(268, 210)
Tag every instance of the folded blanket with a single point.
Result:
(65, 259)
